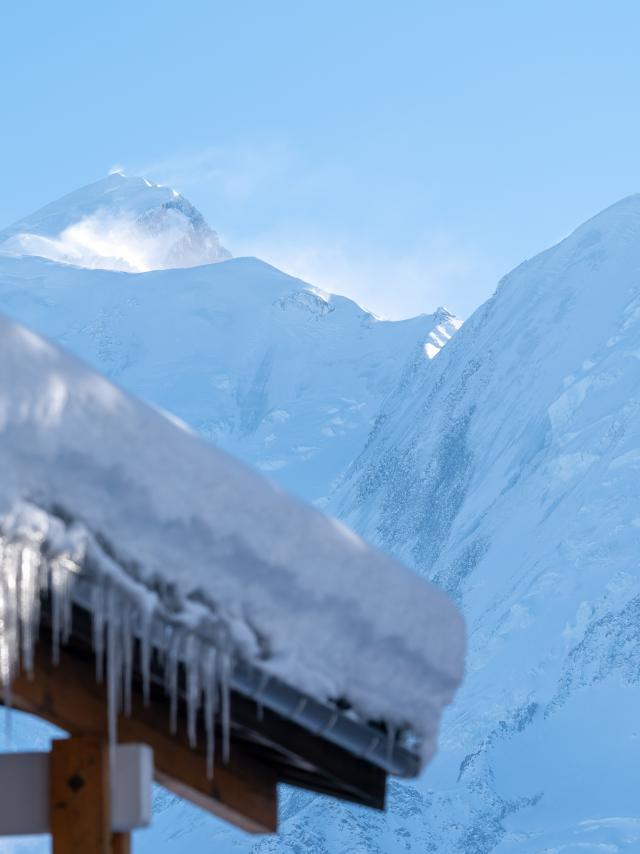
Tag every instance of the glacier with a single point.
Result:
(504, 469)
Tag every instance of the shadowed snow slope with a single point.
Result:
(271, 369)
(508, 471)
(118, 223)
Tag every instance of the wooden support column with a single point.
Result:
(121, 843)
(80, 796)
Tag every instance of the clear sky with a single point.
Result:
(407, 154)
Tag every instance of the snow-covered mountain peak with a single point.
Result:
(121, 223)
(445, 327)
(603, 235)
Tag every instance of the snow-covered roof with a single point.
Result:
(107, 488)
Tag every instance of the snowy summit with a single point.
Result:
(118, 223)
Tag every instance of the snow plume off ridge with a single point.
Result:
(118, 223)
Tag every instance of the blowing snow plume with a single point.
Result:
(118, 223)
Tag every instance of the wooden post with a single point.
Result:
(80, 796)
(121, 843)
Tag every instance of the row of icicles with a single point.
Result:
(26, 575)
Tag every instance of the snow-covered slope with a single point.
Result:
(508, 470)
(118, 223)
(273, 370)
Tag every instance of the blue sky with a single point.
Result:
(405, 154)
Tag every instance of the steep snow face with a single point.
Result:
(508, 471)
(282, 375)
(118, 223)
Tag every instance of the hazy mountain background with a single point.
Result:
(504, 466)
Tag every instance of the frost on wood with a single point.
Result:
(42, 556)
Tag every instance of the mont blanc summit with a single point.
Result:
(119, 223)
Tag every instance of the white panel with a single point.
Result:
(24, 790)
(24, 793)
(131, 787)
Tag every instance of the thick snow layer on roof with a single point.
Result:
(206, 539)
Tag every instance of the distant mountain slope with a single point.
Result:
(284, 376)
(117, 223)
(509, 473)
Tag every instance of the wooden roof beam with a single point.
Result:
(242, 792)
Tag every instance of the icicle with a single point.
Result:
(60, 605)
(209, 680)
(145, 655)
(98, 614)
(118, 620)
(127, 648)
(9, 634)
(225, 668)
(171, 683)
(29, 604)
(67, 611)
(192, 667)
(114, 668)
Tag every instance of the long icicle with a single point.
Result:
(225, 673)
(114, 669)
(209, 680)
(29, 604)
(98, 615)
(192, 655)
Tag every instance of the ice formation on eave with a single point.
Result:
(40, 554)
(100, 488)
